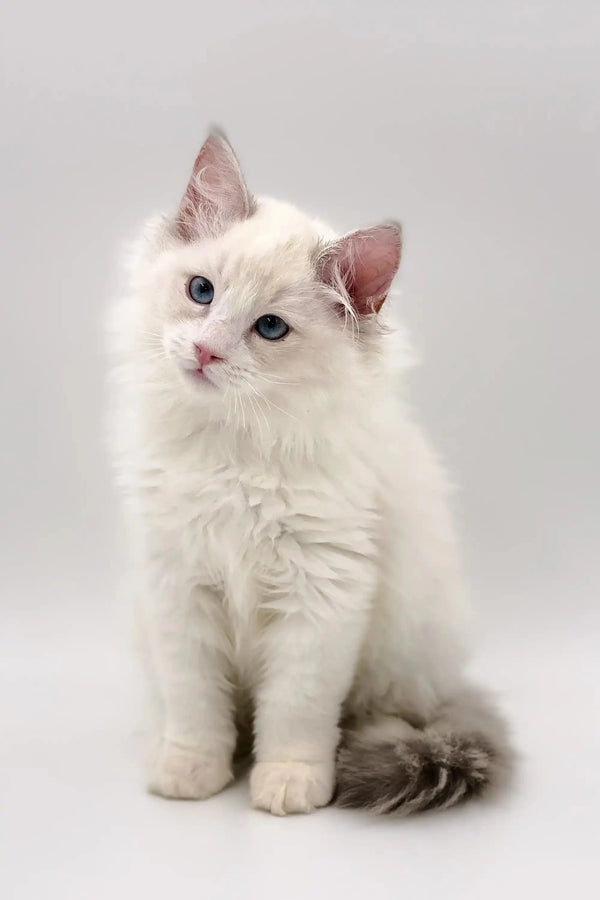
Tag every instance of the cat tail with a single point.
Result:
(386, 765)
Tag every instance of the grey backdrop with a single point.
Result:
(476, 124)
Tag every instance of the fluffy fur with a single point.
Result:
(293, 561)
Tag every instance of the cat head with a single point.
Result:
(252, 298)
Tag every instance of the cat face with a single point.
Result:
(243, 310)
(255, 298)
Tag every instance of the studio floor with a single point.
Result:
(76, 821)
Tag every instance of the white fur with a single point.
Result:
(289, 536)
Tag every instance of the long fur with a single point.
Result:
(291, 549)
(390, 766)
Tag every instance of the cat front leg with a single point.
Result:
(188, 647)
(309, 660)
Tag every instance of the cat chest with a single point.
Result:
(248, 531)
(225, 522)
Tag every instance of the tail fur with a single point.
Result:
(390, 766)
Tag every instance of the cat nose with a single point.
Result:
(204, 355)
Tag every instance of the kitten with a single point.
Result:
(292, 554)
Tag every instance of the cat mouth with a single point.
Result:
(199, 376)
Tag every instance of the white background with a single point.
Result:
(478, 126)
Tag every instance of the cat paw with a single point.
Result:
(291, 787)
(185, 773)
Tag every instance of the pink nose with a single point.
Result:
(204, 355)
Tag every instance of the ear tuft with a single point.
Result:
(363, 264)
(216, 195)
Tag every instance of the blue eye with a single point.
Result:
(272, 328)
(200, 289)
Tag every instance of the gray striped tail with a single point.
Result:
(389, 766)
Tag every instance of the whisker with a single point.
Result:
(243, 408)
(255, 409)
(255, 400)
(274, 380)
(274, 405)
(156, 334)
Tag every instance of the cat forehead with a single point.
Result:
(276, 223)
(273, 249)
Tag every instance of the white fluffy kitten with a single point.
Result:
(293, 558)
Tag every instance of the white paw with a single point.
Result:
(185, 773)
(291, 787)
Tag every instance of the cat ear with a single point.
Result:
(363, 263)
(216, 195)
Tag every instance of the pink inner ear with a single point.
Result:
(216, 194)
(366, 262)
